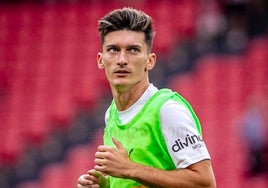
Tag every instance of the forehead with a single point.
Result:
(124, 38)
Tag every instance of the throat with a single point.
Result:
(124, 101)
(128, 97)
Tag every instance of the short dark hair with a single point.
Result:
(127, 19)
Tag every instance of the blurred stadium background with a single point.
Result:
(53, 97)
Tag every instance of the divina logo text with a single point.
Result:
(194, 140)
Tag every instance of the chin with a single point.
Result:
(120, 82)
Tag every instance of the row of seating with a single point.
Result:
(48, 70)
(48, 64)
(78, 161)
(219, 90)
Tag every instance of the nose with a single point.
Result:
(122, 60)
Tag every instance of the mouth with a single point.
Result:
(121, 72)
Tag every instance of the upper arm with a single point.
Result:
(184, 143)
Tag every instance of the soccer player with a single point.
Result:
(152, 136)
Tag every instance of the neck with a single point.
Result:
(125, 97)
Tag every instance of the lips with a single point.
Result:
(121, 71)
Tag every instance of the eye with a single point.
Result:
(112, 50)
(133, 50)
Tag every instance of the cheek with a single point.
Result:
(140, 70)
(108, 71)
(142, 66)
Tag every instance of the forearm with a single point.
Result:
(182, 178)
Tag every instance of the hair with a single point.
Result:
(127, 19)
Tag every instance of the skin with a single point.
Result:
(126, 61)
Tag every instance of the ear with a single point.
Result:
(151, 61)
(100, 61)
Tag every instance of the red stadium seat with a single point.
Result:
(218, 90)
(48, 70)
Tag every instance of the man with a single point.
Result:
(152, 137)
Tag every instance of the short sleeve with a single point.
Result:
(184, 143)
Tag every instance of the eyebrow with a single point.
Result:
(134, 46)
(111, 46)
(128, 46)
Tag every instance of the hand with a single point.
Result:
(113, 161)
(93, 179)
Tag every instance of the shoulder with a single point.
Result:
(181, 109)
(171, 106)
(174, 112)
(107, 115)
